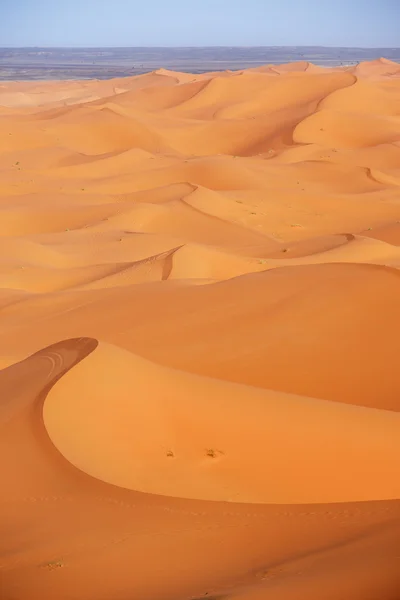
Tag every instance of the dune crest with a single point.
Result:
(199, 335)
(161, 431)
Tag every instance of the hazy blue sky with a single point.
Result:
(199, 22)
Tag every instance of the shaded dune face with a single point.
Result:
(199, 336)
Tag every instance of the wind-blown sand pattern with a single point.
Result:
(200, 336)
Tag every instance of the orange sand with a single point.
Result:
(200, 336)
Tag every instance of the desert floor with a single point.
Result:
(200, 336)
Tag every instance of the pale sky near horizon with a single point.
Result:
(363, 23)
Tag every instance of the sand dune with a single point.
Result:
(215, 445)
(200, 332)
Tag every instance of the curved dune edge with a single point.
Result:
(66, 534)
(316, 330)
(160, 431)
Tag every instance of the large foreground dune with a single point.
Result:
(200, 336)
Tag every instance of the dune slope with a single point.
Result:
(199, 336)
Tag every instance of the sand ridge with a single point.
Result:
(199, 335)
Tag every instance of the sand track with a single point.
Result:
(199, 336)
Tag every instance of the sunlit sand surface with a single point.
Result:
(200, 336)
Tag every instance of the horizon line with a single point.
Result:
(196, 46)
